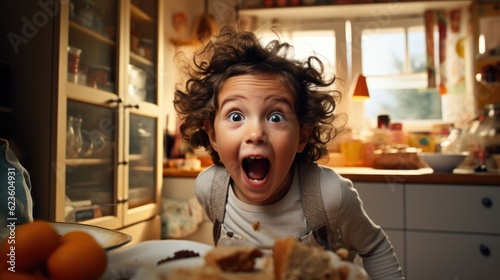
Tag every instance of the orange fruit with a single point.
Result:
(78, 257)
(28, 246)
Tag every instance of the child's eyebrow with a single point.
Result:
(231, 99)
(281, 100)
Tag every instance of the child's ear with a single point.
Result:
(209, 128)
(305, 132)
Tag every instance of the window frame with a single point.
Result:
(411, 125)
(350, 62)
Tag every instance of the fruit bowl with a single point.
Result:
(443, 162)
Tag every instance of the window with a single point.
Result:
(309, 40)
(393, 58)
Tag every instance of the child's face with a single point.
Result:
(257, 134)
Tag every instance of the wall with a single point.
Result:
(223, 12)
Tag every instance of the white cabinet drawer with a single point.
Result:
(383, 203)
(452, 256)
(453, 208)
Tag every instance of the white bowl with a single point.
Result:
(443, 162)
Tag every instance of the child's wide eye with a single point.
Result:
(235, 117)
(276, 117)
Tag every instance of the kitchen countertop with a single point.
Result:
(366, 174)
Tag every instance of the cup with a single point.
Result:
(352, 150)
(98, 76)
(73, 63)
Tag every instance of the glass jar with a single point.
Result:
(87, 14)
(490, 136)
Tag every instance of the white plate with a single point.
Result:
(125, 262)
(108, 239)
(140, 261)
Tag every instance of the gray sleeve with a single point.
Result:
(360, 233)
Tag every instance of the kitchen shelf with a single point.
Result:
(348, 10)
(487, 58)
(490, 84)
(142, 168)
(140, 59)
(90, 33)
(138, 14)
(86, 161)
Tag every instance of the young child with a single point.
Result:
(265, 119)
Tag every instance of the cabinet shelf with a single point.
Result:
(137, 14)
(86, 161)
(406, 7)
(90, 33)
(487, 58)
(140, 59)
(490, 84)
(142, 169)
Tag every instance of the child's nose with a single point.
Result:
(256, 133)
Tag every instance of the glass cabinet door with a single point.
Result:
(487, 54)
(90, 168)
(142, 161)
(142, 81)
(92, 44)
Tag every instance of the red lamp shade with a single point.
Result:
(359, 88)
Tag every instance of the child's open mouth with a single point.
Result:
(256, 168)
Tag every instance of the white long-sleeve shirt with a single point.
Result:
(261, 225)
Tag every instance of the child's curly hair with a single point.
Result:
(232, 53)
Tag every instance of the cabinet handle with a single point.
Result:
(117, 101)
(485, 250)
(123, 162)
(487, 202)
(132, 106)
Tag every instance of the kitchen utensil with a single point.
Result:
(205, 26)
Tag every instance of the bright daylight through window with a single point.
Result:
(394, 61)
(393, 58)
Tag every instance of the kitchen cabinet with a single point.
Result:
(452, 256)
(439, 231)
(452, 208)
(88, 111)
(384, 205)
(486, 49)
(452, 231)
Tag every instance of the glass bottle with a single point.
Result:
(490, 136)
(398, 137)
(70, 138)
(452, 143)
(77, 126)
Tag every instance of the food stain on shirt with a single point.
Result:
(256, 226)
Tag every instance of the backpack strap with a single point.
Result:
(312, 202)
(218, 199)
